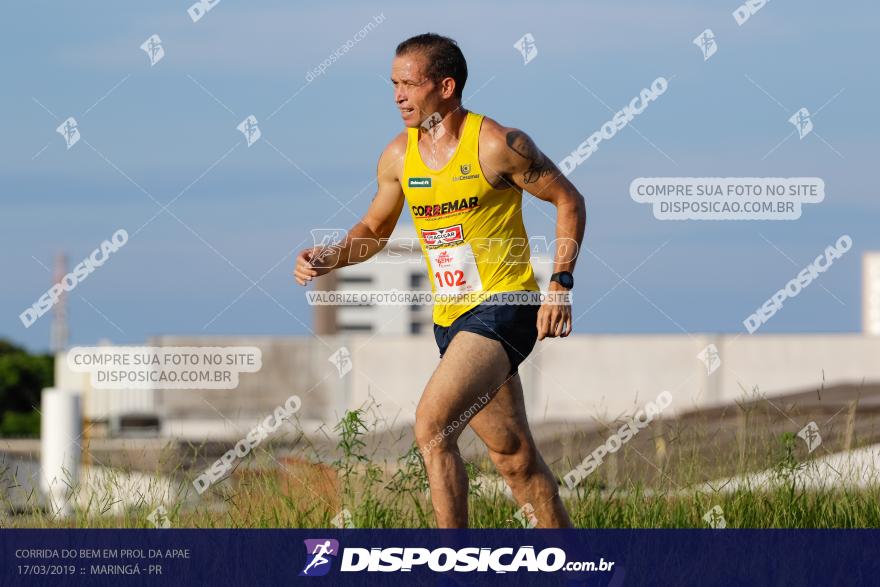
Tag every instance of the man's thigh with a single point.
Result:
(470, 373)
(502, 424)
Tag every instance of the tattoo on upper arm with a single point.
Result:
(539, 165)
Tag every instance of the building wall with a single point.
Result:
(291, 366)
(584, 377)
(576, 379)
(871, 293)
(101, 404)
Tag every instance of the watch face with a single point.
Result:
(564, 279)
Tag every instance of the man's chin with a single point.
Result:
(413, 119)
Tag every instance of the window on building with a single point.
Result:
(355, 327)
(417, 280)
(355, 279)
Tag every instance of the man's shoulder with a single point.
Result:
(391, 159)
(492, 132)
(495, 140)
(397, 146)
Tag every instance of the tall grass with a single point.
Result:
(274, 487)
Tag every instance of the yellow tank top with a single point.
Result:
(472, 235)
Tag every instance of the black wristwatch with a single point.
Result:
(563, 278)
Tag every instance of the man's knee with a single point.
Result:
(517, 463)
(432, 433)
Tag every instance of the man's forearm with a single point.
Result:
(571, 220)
(359, 245)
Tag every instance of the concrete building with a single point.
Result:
(871, 293)
(378, 353)
(575, 380)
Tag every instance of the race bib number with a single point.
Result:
(455, 270)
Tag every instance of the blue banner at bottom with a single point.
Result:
(439, 557)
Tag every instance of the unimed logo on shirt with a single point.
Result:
(420, 182)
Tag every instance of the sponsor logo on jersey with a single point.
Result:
(465, 173)
(451, 235)
(445, 208)
(444, 259)
(419, 182)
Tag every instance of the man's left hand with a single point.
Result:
(554, 317)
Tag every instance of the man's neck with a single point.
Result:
(450, 128)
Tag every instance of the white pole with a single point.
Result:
(60, 425)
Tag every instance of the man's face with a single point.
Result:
(416, 96)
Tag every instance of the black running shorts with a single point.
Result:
(514, 326)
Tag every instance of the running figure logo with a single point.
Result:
(810, 435)
(433, 127)
(70, 131)
(250, 129)
(711, 358)
(153, 48)
(706, 42)
(342, 359)
(802, 122)
(527, 47)
(715, 518)
(317, 551)
(329, 240)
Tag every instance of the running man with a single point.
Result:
(319, 552)
(462, 175)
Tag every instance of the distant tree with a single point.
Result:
(22, 379)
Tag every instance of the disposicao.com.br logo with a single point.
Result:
(317, 553)
(442, 560)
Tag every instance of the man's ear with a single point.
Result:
(447, 87)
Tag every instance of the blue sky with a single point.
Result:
(152, 131)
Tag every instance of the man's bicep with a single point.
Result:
(530, 169)
(384, 210)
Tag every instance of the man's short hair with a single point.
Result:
(445, 59)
